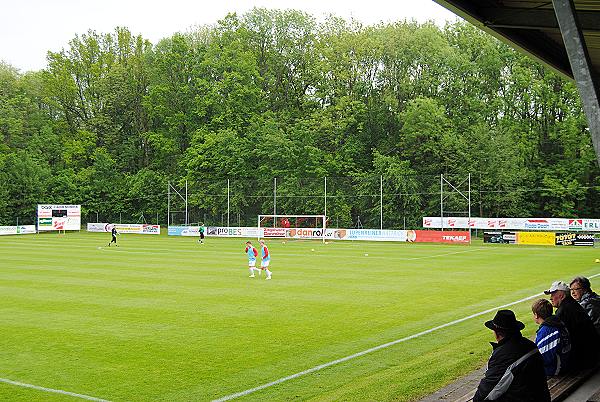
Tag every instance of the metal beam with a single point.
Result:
(533, 43)
(535, 18)
(581, 66)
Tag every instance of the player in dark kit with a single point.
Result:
(201, 231)
(114, 234)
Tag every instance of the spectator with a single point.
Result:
(552, 338)
(581, 290)
(584, 339)
(515, 370)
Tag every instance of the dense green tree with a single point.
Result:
(271, 104)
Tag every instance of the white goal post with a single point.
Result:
(320, 223)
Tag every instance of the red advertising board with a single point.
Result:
(438, 236)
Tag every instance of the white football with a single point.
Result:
(312, 249)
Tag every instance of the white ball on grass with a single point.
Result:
(312, 249)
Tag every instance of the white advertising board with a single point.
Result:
(188, 231)
(16, 230)
(130, 228)
(58, 217)
(548, 224)
(218, 231)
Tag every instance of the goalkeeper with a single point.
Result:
(114, 234)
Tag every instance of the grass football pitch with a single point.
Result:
(167, 319)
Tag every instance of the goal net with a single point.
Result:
(288, 226)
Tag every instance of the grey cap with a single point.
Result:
(558, 285)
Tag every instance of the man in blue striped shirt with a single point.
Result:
(552, 338)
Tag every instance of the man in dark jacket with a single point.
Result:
(584, 339)
(515, 370)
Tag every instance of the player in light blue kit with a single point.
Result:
(266, 259)
(252, 254)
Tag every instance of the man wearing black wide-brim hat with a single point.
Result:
(515, 370)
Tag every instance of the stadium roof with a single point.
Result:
(532, 26)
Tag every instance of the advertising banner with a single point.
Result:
(574, 239)
(129, 228)
(306, 233)
(59, 217)
(374, 234)
(16, 230)
(136, 228)
(274, 232)
(590, 225)
(500, 237)
(547, 224)
(192, 231)
(437, 236)
(335, 234)
(536, 238)
(218, 231)
(99, 227)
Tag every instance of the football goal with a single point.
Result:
(275, 226)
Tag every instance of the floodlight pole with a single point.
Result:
(325, 196)
(186, 203)
(469, 208)
(227, 203)
(442, 200)
(381, 202)
(274, 201)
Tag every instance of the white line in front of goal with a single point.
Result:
(56, 391)
(373, 349)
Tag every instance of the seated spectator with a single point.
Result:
(515, 370)
(581, 290)
(552, 338)
(584, 339)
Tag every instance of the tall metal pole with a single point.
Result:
(469, 208)
(168, 204)
(381, 202)
(579, 59)
(442, 199)
(186, 204)
(325, 197)
(228, 203)
(275, 202)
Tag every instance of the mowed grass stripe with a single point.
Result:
(181, 326)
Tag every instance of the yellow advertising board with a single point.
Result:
(536, 238)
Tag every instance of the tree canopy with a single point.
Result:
(276, 98)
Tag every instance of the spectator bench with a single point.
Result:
(560, 386)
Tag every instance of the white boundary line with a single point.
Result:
(443, 255)
(373, 349)
(56, 391)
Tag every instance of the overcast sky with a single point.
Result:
(30, 28)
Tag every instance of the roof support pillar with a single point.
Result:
(581, 67)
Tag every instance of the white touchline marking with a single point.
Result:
(56, 391)
(443, 255)
(373, 349)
